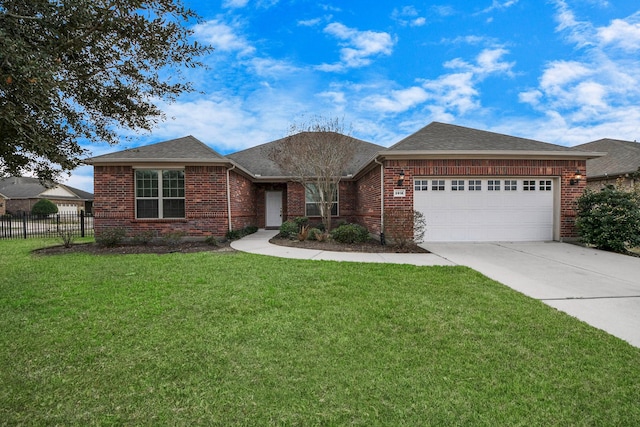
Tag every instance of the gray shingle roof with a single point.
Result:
(31, 188)
(186, 148)
(256, 159)
(445, 137)
(622, 157)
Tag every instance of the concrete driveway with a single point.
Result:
(599, 288)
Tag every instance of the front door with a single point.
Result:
(273, 209)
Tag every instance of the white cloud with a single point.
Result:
(499, 5)
(596, 93)
(234, 4)
(408, 16)
(624, 34)
(398, 100)
(223, 37)
(358, 46)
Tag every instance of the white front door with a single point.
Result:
(273, 209)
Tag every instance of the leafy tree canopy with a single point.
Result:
(79, 69)
(44, 207)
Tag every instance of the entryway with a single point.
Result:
(273, 209)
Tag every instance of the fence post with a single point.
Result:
(24, 224)
(58, 223)
(81, 223)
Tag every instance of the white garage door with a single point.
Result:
(484, 210)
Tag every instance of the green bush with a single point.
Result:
(111, 237)
(289, 229)
(239, 234)
(609, 219)
(143, 237)
(44, 207)
(314, 233)
(350, 233)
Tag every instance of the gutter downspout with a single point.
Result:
(229, 196)
(382, 240)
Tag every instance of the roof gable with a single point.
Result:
(622, 157)
(257, 159)
(186, 148)
(445, 137)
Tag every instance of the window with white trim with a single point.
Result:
(510, 185)
(457, 185)
(544, 185)
(421, 185)
(437, 185)
(493, 185)
(475, 185)
(159, 193)
(528, 185)
(312, 205)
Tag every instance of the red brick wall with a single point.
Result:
(205, 203)
(295, 203)
(243, 201)
(368, 201)
(563, 169)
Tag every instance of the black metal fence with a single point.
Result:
(26, 225)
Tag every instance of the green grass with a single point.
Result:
(238, 339)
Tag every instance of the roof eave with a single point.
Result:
(484, 154)
(128, 162)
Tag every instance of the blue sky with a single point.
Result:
(560, 71)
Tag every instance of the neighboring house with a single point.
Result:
(471, 185)
(21, 193)
(621, 163)
(3, 204)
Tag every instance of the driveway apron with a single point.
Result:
(600, 288)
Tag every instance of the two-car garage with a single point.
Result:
(468, 209)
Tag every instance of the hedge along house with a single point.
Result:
(471, 185)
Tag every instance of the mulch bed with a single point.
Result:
(95, 249)
(372, 246)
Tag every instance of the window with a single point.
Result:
(493, 185)
(312, 196)
(545, 185)
(457, 185)
(159, 194)
(421, 185)
(475, 185)
(529, 185)
(437, 185)
(510, 185)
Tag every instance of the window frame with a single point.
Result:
(160, 190)
(335, 207)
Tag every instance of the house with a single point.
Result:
(21, 193)
(620, 164)
(3, 204)
(471, 185)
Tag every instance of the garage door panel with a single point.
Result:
(487, 215)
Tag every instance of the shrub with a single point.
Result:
(233, 234)
(609, 219)
(173, 238)
(304, 233)
(289, 229)
(249, 229)
(143, 237)
(350, 233)
(67, 237)
(44, 207)
(315, 234)
(111, 237)
(398, 224)
(211, 241)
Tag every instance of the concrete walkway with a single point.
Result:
(258, 243)
(597, 287)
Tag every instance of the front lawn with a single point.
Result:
(237, 339)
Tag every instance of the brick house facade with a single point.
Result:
(220, 193)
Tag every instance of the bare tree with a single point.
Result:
(317, 154)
